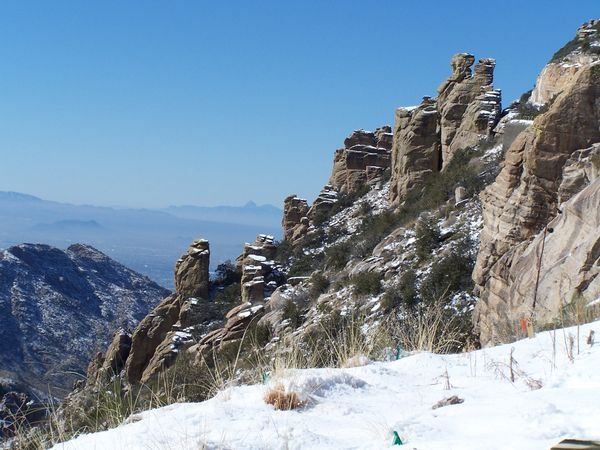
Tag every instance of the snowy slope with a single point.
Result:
(361, 407)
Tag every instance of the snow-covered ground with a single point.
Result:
(551, 398)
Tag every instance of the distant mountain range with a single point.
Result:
(147, 240)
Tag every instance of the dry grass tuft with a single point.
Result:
(282, 400)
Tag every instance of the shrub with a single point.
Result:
(230, 295)
(403, 293)
(227, 274)
(338, 255)
(367, 283)
(302, 266)
(318, 284)
(292, 313)
(450, 275)
(281, 399)
(427, 235)
(430, 328)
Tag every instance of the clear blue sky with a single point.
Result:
(151, 103)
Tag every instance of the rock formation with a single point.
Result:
(426, 137)
(561, 71)
(416, 151)
(365, 157)
(158, 337)
(295, 220)
(525, 196)
(468, 105)
(191, 271)
(260, 276)
(58, 307)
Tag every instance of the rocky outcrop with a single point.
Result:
(260, 276)
(567, 256)
(58, 307)
(104, 367)
(191, 271)
(416, 151)
(238, 321)
(295, 220)
(525, 196)
(579, 171)
(158, 337)
(426, 138)
(468, 105)
(324, 202)
(364, 158)
(562, 70)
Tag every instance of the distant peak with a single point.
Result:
(250, 204)
(10, 195)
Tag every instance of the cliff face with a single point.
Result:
(525, 198)
(561, 71)
(58, 307)
(417, 147)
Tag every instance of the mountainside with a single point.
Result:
(146, 240)
(59, 307)
(461, 226)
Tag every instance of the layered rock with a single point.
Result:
(295, 221)
(468, 105)
(426, 138)
(567, 256)
(324, 202)
(238, 321)
(364, 158)
(416, 151)
(260, 276)
(525, 196)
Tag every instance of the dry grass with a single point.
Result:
(428, 329)
(282, 399)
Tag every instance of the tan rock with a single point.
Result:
(364, 154)
(569, 267)
(149, 334)
(468, 105)
(416, 151)
(191, 271)
(524, 197)
(294, 210)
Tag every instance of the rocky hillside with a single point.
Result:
(60, 307)
(440, 233)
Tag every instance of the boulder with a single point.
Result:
(148, 335)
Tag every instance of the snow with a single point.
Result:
(551, 398)
(258, 258)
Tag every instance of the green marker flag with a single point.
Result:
(398, 353)
(265, 377)
(397, 440)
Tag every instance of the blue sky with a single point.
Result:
(151, 103)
